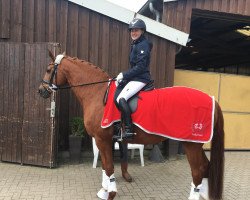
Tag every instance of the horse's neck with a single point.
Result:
(90, 96)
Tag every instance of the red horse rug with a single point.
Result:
(179, 113)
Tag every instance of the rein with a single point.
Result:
(83, 84)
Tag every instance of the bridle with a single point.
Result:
(51, 87)
(53, 75)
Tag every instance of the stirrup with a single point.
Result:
(128, 135)
(118, 137)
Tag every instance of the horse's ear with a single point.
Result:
(64, 53)
(51, 56)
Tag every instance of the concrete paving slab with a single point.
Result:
(169, 180)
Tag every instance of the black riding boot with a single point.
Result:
(126, 118)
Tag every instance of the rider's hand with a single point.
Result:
(119, 77)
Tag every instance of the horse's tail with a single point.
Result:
(216, 168)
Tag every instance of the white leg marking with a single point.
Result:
(194, 193)
(204, 189)
(112, 184)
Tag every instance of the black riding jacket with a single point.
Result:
(139, 60)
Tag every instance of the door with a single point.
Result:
(27, 126)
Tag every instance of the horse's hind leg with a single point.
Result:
(124, 161)
(204, 183)
(199, 167)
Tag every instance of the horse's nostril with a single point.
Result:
(44, 93)
(40, 91)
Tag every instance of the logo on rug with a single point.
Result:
(106, 120)
(197, 129)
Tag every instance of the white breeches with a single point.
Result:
(130, 90)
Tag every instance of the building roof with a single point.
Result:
(124, 15)
(134, 5)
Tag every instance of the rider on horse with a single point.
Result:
(138, 76)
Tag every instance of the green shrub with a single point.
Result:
(76, 126)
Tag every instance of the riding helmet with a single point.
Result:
(137, 23)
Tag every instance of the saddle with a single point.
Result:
(133, 101)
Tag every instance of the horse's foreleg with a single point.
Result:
(103, 192)
(109, 189)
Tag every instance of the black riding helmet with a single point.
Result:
(137, 23)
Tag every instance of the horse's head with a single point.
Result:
(53, 76)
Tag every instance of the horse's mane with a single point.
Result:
(82, 62)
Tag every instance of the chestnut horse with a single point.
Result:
(92, 84)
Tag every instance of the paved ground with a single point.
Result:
(169, 180)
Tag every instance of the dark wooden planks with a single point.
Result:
(2, 118)
(184, 9)
(37, 134)
(72, 30)
(51, 21)
(28, 21)
(114, 48)
(5, 19)
(40, 25)
(7, 132)
(12, 107)
(83, 34)
(27, 134)
(153, 61)
(61, 23)
(247, 8)
(170, 64)
(103, 56)
(4, 100)
(124, 47)
(16, 20)
(200, 4)
(94, 29)
(29, 138)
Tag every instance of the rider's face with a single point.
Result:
(135, 33)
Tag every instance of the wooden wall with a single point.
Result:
(81, 33)
(178, 14)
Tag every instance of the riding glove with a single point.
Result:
(119, 77)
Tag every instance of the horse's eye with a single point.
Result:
(49, 68)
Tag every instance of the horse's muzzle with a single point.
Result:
(44, 92)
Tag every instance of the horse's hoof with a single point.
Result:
(111, 195)
(103, 194)
(127, 177)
